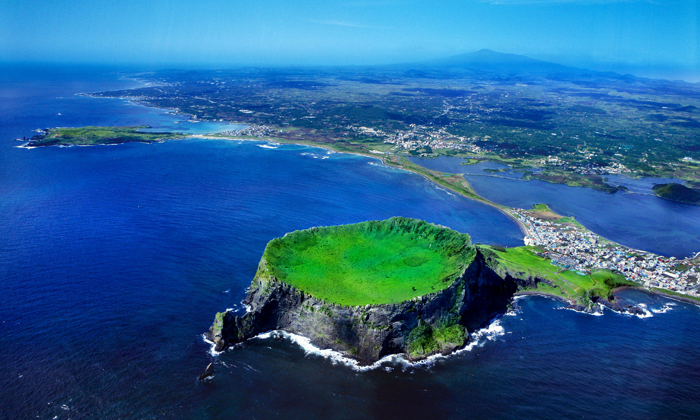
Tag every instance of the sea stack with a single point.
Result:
(208, 372)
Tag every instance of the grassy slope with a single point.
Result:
(99, 135)
(543, 211)
(522, 261)
(374, 262)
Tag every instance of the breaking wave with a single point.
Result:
(478, 339)
(448, 192)
(667, 307)
(647, 312)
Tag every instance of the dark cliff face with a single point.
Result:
(426, 325)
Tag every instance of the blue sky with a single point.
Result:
(633, 33)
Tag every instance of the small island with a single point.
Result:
(398, 286)
(89, 136)
(677, 192)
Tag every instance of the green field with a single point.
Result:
(375, 262)
(524, 262)
(98, 135)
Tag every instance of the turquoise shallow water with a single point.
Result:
(113, 261)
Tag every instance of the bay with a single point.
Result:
(114, 259)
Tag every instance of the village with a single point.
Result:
(252, 130)
(421, 137)
(422, 141)
(425, 138)
(590, 169)
(573, 247)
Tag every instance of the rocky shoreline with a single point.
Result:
(618, 304)
(435, 323)
(657, 293)
(439, 322)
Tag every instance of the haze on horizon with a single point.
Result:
(642, 37)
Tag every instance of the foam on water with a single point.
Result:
(313, 155)
(647, 312)
(667, 307)
(477, 339)
(592, 313)
(212, 347)
(442, 189)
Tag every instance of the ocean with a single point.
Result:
(114, 260)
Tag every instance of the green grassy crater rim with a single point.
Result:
(375, 262)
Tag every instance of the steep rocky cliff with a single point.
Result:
(435, 323)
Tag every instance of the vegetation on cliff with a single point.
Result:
(677, 192)
(97, 135)
(374, 262)
(425, 340)
(528, 262)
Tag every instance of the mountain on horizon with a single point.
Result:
(496, 62)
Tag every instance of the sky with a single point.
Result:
(600, 34)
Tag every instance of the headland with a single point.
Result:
(398, 286)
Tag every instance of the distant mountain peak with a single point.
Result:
(494, 61)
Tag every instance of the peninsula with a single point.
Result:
(89, 136)
(677, 192)
(398, 286)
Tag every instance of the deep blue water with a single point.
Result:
(639, 220)
(113, 261)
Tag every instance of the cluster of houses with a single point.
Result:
(252, 131)
(612, 168)
(575, 248)
(419, 136)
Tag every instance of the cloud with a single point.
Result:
(341, 23)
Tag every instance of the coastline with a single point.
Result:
(454, 183)
(471, 195)
(536, 293)
(655, 292)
